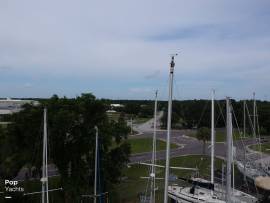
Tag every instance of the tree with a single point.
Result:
(71, 136)
(203, 134)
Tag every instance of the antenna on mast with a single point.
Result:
(172, 64)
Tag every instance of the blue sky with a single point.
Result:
(121, 48)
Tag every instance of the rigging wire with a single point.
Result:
(243, 145)
(204, 109)
(258, 130)
(220, 109)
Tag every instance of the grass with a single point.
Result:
(265, 148)
(140, 145)
(113, 115)
(130, 188)
(221, 135)
(137, 120)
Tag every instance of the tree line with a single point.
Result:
(197, 114)
(190, 114)
(71, 144)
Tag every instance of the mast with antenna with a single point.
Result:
(169, 130)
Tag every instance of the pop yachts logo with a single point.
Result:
(12, 186)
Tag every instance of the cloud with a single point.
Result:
(129, 43)
(140, 90)
(5, 68)
(153, 75)
(27, 85)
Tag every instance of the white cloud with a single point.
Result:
(129, 40)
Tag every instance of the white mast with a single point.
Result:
(229, 151)
(212, 137)
(96, 160)
(169, 132)
(153, 170)
(131, 126)
(244, 132)
(244, 125)
(254, 115)
(44, 179)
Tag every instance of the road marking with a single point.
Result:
(8, 197)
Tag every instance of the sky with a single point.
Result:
(121, 49)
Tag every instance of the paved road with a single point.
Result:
(191, 146)
(148, 126)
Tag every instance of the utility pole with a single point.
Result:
(169, 131)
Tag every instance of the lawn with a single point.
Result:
(130, 188)
(140, 145)
(221, 135)
(113, 116)
(264, 147)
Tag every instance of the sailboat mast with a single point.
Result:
(44, 179)
(169, 131)
(229, 151)
(96, 160)
(212, 136)
(153, 171)
(254, 115)
(244, 122)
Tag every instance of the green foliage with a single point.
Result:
(204, 135)
(140, 145)
(141, 108)
(265, 148)
(71, 142)
(133, 185)
(197, 113)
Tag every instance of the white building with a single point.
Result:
(9, 106)
(117, 105)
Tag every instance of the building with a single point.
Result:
(117, 105)
(10, 106)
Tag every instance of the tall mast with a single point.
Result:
(169, 131)
(96, 160)
(244, 122)
(44, 179)
(212, 136)
(254, 115)
(229, 151)
(244, 132)
(153, 171)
